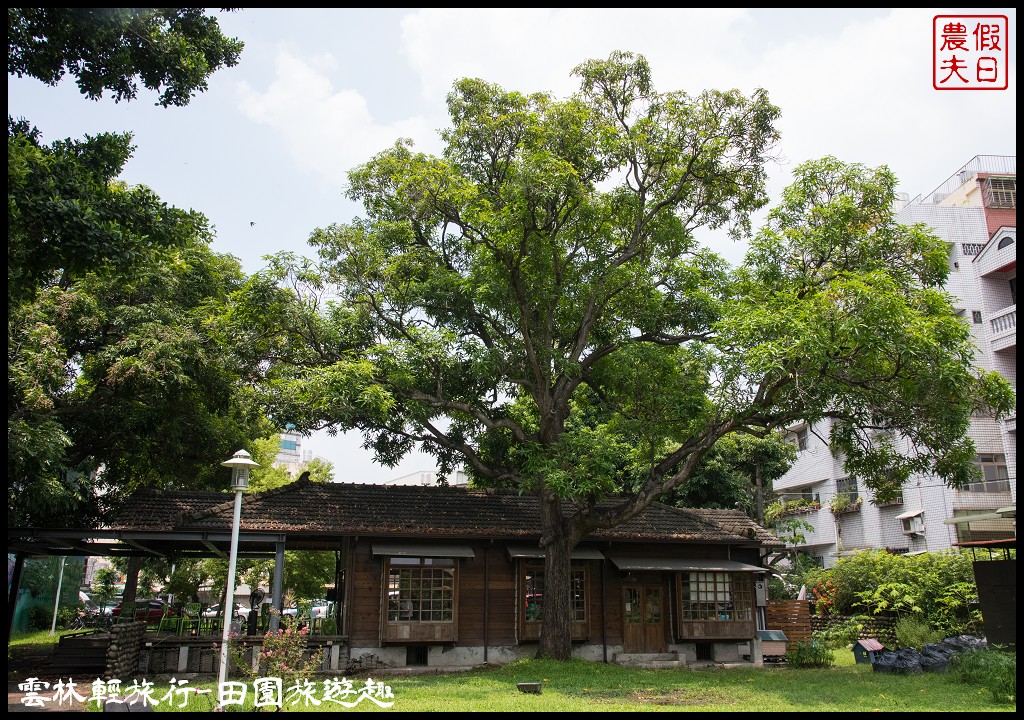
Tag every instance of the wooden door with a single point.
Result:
(643, 624)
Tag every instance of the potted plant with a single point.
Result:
(843, 503)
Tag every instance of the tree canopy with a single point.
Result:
(534, 304)
(125, 367)
(169, 50)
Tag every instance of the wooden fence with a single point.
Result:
(792, 617)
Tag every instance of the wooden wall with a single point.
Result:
(492, 576)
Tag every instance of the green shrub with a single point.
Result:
(40, 617)
(916, 632)
(810, 654)
(937, 586)
(66, 615)
(989, 668)
(838, 635)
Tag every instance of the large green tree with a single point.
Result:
(534, 304)
(168, 50)
(125, 365)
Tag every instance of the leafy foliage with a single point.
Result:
(915, 632)
(938, 588)
(104, 585)
(124, 367)
(842, 634)
(170, 50)
(992, 668)
(533, 305)
(811, 653)
(733, 472)
(282, 654)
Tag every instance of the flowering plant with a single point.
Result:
(282, 653)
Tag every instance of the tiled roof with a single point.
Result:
(162, 510)
(307, 508)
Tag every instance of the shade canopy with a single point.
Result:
(535, 553)
(421, 550)
(681, 565)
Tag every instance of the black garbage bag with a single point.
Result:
(885, 662)
(972, 642)
(939, 649)
(908, 662)
(934, 662)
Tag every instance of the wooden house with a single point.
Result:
(452, 576)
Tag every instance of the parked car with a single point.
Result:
(241, 611)
(151, 610)
(318, 609)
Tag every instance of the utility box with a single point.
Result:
(864, 651)
(773, 643)
(761, 592)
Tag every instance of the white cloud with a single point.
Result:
(326, 130)
(535, 49)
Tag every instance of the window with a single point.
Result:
(421, 590)
(976, 316)
(715, 596)
(848, 487)
(799, 437)
(533, 591)
(531, 599)
(995, 477)
(1001, 192)
(896, 500)
(1013, 289)
(971, 249)
(1005, 242)
(806, 494)
(990, 528)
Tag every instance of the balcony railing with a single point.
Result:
(1004, 328)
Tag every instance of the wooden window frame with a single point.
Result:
(428, 592)
(529, 622)
(724, 596)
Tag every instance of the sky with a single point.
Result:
(264, 152)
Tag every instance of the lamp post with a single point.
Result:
(240, 464)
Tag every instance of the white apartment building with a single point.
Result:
(290, 454)
(428, 478)
(975, 212)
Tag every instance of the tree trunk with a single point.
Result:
(556, 619)
(131, 579)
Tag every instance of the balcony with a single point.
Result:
(999, 255)
(1003, 329)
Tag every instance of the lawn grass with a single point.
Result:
(39, 638)
(582, 686)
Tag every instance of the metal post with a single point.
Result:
(56, 600)
(278, 589)
(230, 602)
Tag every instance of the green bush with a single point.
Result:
(810, 654)
(937, 586)
(839, 635)
(916, 632)
(40, 617)
(989, 668)
(65, 615)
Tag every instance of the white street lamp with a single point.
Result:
(240, 464)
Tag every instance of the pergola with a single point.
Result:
(29, 542)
